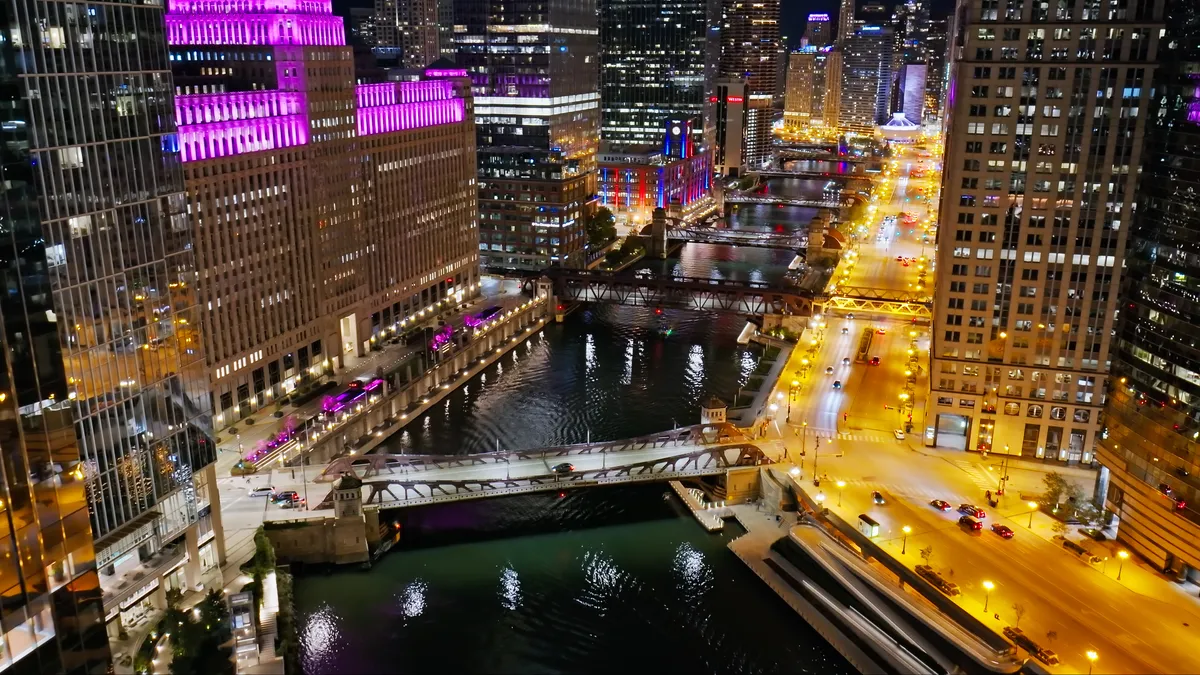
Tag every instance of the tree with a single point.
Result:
(1051, 636)
(1019, 611)
(1056, 486)
(1059, 528)
(601, 227)
(927, 553)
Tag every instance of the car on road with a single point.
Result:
(1003, 530)
(1046, 656)
(970, 524)
(1020, 639)
(846, 361)
(285, 496)
(837, 384)
(971, 510)
(262, 491)
(940, 504)
(880, 331)
(898, 434)
(1092, 533)
(874, 360)
(565, 467)
(297, 503)
(845, 330)
(877, 497)
(829, 370)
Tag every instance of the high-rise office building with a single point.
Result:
(445, 10)
(829, 64)
(362, 26)
(909, 95)
(818, 31)
(535, 70)
(935, 68)
(412, 28)
(866, 79)
(1044, 139)
(653, 67)
(846, 19)
(326, 212)
(107, 451)
(1150, 454)
(750, 44)
(801, 78)
(728, 157)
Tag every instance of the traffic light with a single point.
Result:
(560, 308)
(658, 311)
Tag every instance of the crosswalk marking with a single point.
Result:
(978, 476)
(863, 436)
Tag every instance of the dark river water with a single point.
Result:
(604, 579)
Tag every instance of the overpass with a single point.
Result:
(706, 235)
(701, 450)
(751, 298)
(742, 198)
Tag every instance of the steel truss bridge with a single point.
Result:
(703, 235)
(907, 304)
(426, 479)
(741, 198)
(752, 298)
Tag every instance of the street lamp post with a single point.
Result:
(1091, 657)
(987, 587)
(904, 546)
(840, 484)
(1123, 555)
(1033, 508)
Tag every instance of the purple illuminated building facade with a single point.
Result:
(326, 212)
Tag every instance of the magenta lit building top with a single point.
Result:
(223, 124)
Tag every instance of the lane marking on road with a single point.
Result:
(979, 477)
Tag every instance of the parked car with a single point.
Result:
(1092, 533)
(972, 510)
(940, 504)
(1004, 531)
(1046, 656)
(262, 491)
(970, 524)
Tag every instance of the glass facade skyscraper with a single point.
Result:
(534, 70)
(103, 398)
(657, 62)
(1151, 424)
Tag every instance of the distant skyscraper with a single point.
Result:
(362, 26)
(1043, 146)
(910, 92)
(731, 114)
(411, 26)
(935, 72)
(829, 105)
(654, 67)
(750, 51)
(538, 109)
(801, 77)
(866, 79)
(1149, 453)
(817, 32)
(846, 19)
(445, 9)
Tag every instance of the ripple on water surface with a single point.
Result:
(655, 594)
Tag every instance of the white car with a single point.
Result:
(262, 491)
(898, 434)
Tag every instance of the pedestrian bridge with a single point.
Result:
(409, 480)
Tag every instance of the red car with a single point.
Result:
(940, 504)
(971, 510)
(1002, 530)
(874, 360)
(880, 331)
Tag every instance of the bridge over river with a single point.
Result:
(407, 480)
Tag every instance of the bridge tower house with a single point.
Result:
(713, 411)
(658, 233)
(347, 496)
